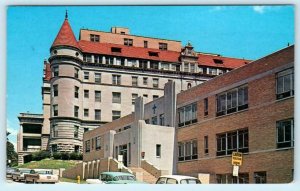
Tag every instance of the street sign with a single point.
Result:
(237, 158)
(235, 171)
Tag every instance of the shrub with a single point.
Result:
(75, 156)
(39, 155)
(65, 156)
(56, 155)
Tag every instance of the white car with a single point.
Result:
(177, 179)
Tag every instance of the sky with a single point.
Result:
(249, 32)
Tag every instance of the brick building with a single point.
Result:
(249, 110)
(101, 70)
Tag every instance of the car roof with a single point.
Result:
(178, 177)
(116, 173)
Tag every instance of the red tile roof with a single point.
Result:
(128, 51)
(167, 56)
(65, 36)
(209, 60)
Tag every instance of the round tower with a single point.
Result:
(66, 97)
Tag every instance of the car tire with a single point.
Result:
(33, 181)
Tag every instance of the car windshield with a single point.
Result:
(190, 181)
(124, 177)
(44, 172)
(25, 171)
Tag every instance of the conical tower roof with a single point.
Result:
(65, 36)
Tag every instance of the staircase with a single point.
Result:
(145, 176)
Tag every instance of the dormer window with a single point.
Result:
(153, 54)
(218, 61)
(163, 46)
(94, 38)
(115, 49)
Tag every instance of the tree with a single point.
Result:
(10, 152)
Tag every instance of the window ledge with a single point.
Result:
(218, 117)
(283, 99)
(192, 160)
(285, 148)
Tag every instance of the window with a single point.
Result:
(97, 78)
(134, 81)
(120, 61)
(187, 115)
(116, 49)
(76, 72)
(155, 54)
(145, 81)
(87, 146)
(232, 101)
(218, 61)
(232, 141)
(86, 112)
(116, 97)
(116, 115)
(285, 84)
(154, 65)
(145, 44)
(163, 46)
(205, 106)
(134, 96)
(86, 93)
(97, 59)
(162, 119)
(94, 38)
(55, 72)
(116, 79)
(128, 42)
(54, 131)
(97, 114)
(243, 178)
(109, 60)
(76, 130)
(54, 148)
(154, 120)
(187, 150)
(98, 143)
(285, 133)
(131, 63)
(158, 150)
(260, 177)
(155, 82)
(206, 144)
(55, 110)
(143, 64)
(76, 148)
(164, 66)
(87, 58)
(212, 71)
(76, 109)
(192, 67)
(76, 92)
(155, 97)
(189, 85)
(98, 96)
(145, 95)
(85, 129)
(86, 75)
(55, 90)
(186, 67)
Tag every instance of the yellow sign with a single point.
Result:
(237, 158)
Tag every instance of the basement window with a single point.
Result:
(115, 49)
(153, 54)
(218, 61)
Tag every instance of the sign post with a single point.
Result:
(236, 161)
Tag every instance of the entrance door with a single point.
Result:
(123, 151)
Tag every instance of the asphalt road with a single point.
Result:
(10, 181)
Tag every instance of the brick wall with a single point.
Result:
(260, 119)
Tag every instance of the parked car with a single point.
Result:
(114, 178)
(9, 172)
(177, 179)
(41, 176)
(18, 175)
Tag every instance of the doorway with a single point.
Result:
(123, 151)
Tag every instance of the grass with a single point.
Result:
(49, 164)
(71, 180)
